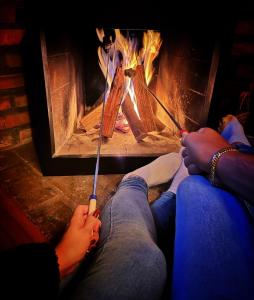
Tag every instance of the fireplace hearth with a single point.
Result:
(71, 71)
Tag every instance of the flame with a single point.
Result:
(169, 92)
(151, 46)
(130, 57)
(128, 48)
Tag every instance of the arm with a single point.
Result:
(33, 271)
(235, 170)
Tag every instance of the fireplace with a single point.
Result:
(142, 75)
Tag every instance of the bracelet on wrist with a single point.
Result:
(214, 161)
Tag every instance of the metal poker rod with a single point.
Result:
(173, 119)
(164, 108)
(93, 196)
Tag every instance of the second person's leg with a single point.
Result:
(127, 264)
(214, 243)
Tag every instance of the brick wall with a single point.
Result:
(14, 117)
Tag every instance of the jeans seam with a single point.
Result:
(111, 219)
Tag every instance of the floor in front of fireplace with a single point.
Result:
(49, 201)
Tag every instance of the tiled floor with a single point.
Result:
(49, 201)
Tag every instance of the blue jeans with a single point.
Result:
(214, 242)
(127, 263)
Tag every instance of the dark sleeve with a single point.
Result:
(29, 271)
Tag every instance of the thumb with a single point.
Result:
(91, 223)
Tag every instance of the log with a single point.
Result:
(144, 101)
(159, 125)
(92, 119)
(135, 123)
(113, 103)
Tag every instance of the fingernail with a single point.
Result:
(96, 213)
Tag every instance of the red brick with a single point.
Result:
(25, 135)
(243, 49)
(5, 104)
(244, 70)
(14, 120)
(7, 13)
(13, 60)
(6, 141)
(10, 37)
(245, 28)
(11, 81)
(21, 101)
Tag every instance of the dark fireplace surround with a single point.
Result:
(195, 51)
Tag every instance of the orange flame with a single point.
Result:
(131, 57)
(151, 46)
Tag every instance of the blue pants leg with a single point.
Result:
(163, 210)
(127, 264)
(214, 244)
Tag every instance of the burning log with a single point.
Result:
(132, 73)
(140, 124)
(143, 97)
(135, 123)
(113, 103)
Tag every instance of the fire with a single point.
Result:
(131, 57)
(124, 50)
(151, 46)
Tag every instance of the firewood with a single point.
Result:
(131, 73)
(144, 101)
(92, 119)
(113, 103)
(135, 123)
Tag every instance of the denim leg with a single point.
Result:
(127, 264)
(163, 210)
(214, 244)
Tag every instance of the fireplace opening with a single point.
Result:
(142, 74)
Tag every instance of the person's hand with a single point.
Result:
(199, 149)
(83, 231)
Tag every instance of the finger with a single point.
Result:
(184, 138)
(97, 226)
(194, 170)
(96, 213)
(187, 161)
(96, 237)
(91, 222)
(184, 152)
(201, 129)
(80, 210)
